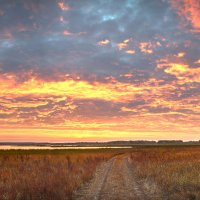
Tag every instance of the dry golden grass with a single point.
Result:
(174, 170)
(26, 175)
(168, 172)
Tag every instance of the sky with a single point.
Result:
(85, 70)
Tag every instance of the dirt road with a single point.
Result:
(114, 179)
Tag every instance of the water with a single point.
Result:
(7, 147)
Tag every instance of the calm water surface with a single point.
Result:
(7, 147)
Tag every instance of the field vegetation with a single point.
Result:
(171, 172)
(165, 172)
(46, 174)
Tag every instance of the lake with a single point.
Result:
(7, 147)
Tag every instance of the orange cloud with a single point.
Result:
(146, 47)
(67, 33)
(125, 109)
(52, 106)
(158, 44)
(130, 51)
(104, 42)
(116, 91)
(63, 6)
(127, 75)
(124, 44)
(126, 41)
(190, 10)
(141, 125)
(121, 45)
(198, 61)
(181, 54)
(183, 72)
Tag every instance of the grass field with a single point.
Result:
(170, 172)
(46, 174)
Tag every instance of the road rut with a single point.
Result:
(113, 180)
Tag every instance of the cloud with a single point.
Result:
(63, 6)
(130, 51)
(100, 67)
(189, 10)
(66, 33)
(115, 91)
(146, 47)
(104, 42)
(198, 61)
(181, 71)
(128, 75)
(123, 44)
(181, 54)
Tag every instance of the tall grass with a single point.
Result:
(174, 170)
(45, 176)
(166, 172)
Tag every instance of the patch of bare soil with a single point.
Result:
(114, 180)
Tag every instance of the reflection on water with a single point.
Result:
(7, 147)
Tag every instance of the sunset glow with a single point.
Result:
(100, 70)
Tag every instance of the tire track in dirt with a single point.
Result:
(92, 190)
(113, 180)
(131, 181)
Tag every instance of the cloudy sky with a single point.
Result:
(85, 70)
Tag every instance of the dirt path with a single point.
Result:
(113, 180)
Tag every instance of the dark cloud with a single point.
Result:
(38, 42)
